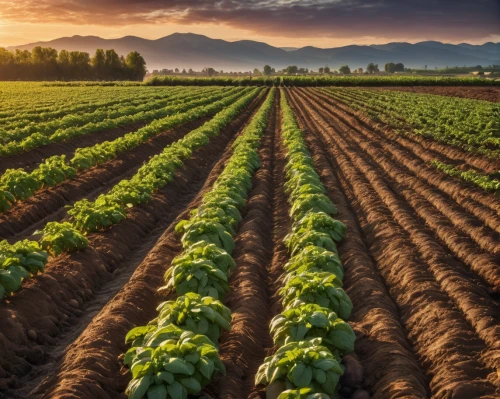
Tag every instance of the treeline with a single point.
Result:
(311, 81)
(46, 64)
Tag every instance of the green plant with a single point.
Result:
(6, 200)
(170, 363)
(322, 288)
(98, 215)
(309, 321)
(19, 183)
(315, 259)
(199, 276)
(58, 238)
(206, 316)
(304, 364)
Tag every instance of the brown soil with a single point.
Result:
(28, 160)
(26, 216)
(45, 303)
(253, 282)
(476, 93)
(421, 262)
(457, 362)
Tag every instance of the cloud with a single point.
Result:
(448, 20)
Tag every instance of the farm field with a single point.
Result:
(249, 242)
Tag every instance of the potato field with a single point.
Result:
(234, 242)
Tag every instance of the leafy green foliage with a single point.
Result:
(170, 363)
(304, 364)
(59, 238)
(98, 215)
(200, 273)
(19, 183)
(53, 171)
(309, 321)
(315, 259)
(489, 183)
(322, 288)
(206, 316)
(473, 125)
(18, 262)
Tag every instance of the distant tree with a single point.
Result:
(345, 69)
(292, 69)
(390, 67)
(273, 70)
(267, 70)
(209, 71)
(426, 67)
(256, 71)
(136, 66)
(326, 69)
(98, 63)
(321, 70)
(184, 71)
(371, 68)
(176, 70)
(190, 71)
(479, 67)
(400, 67)
(360, 70)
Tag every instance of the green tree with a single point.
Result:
(267, 70)
(98, 63)
(136, 66)
(345, 69)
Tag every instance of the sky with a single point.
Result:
(283, 23)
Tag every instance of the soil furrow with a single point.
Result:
(449, 349)
(476, 201)
(391, 368)
(460, 232)
(427, 148)
(481, 312)
(92, 367)
(28, 160)
(47, 304)
(244, 347)
(46, 206)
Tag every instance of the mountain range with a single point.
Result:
(188, 50)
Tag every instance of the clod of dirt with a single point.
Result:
(275, 389)
(73, 303)
(361, 394)
(353, 374)
(31, 335)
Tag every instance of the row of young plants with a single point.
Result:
(23, 98)
(311, 332)
(19, 185)
(471, 124)
(180, 102)
(488, 182)
(177, 354)
(110, 208)
(21, 126)
(324, 80)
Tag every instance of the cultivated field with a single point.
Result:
(241, 241)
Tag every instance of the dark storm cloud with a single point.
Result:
(444, 19)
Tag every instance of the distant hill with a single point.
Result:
(187, 50)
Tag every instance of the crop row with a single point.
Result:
(110, 208)
(20, 126)
(471, 124)
(93, 104)
(312, 81)
(176, 354)
(311, 332)
(17, 99)
(487, 182)
(121, 118)
(19, 185)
